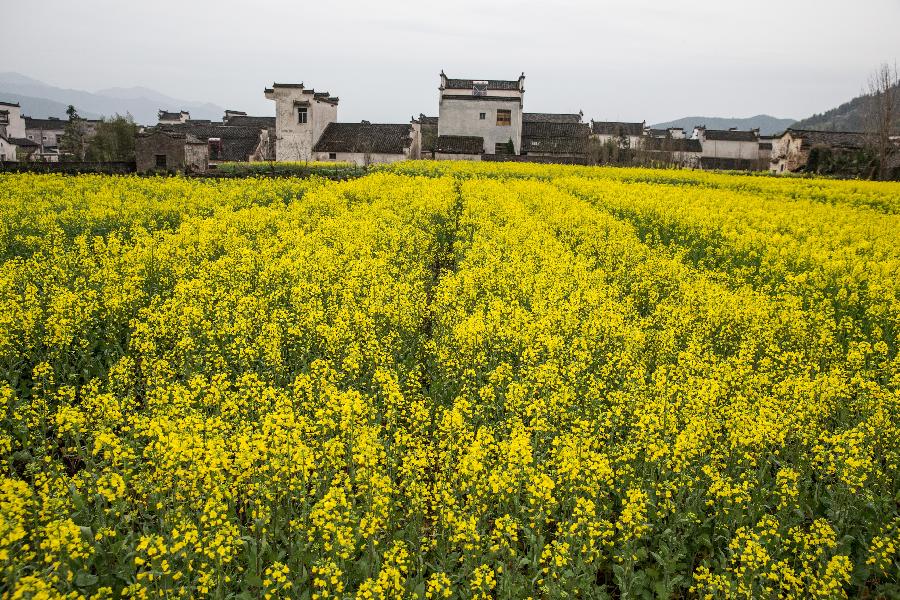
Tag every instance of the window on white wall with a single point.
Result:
(482, 116)
(332, 155)
(504, 117)
(302, 115)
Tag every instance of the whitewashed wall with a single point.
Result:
(462, 117)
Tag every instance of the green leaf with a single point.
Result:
(85, 579)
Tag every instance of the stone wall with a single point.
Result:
(148, 147)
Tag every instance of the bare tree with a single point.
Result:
(302, 148)
(883, 114)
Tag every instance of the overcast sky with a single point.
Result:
(640, 59)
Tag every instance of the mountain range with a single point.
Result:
(849, 116)
(768, 125)
(39, 99)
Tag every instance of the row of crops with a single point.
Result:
(446, 380)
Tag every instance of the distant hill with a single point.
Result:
(849, 116)
(767, 124)
(39, 99)
(41, 107)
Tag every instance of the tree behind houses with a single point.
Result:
(74, 142)
(883, 115)
(113, 140)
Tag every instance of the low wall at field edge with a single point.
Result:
(70, 168)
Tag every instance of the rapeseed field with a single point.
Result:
(448, 380)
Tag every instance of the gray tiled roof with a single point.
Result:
(555, 129)
(23, 142)
(237, 142)
(459, 144)
(374, 138)
(322, 96)
(551, 117)
(492, 84)
(554, 137)
(834, 139)
(154, 131)
(49, 123)
(721, 135)
(2, 103)
(616, 128)
(250, 121)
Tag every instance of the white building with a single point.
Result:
(12, 124)
(173, 118)
(728, 149)
(792, 149)
(12, 132)
(618, 132)
(7, 150)
(366, 143)
(301, 116)
(487, 108)
(624, 135)
(47, 134)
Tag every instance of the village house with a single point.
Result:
(199, 145)
(624, 135)
(30, 139)
(550, 137)
(12, 123)
(306, 128)
(728, 149)
(791, 150)
(674, 133)
(13, 140)
(365, 143)
(47, 134)
(478, 119)
(487, 108)
(546, 137)
(241, 119)
(173, 118)
(672, 151)
(7, 150)
(301, 116)
(169, 151)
